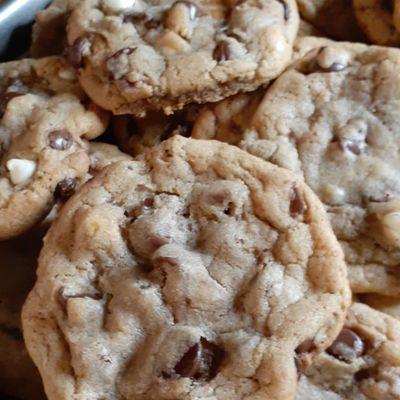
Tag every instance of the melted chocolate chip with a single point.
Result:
(286, 9)
(77, 50)
(201, 361)
(297, 203)
(347, 346)
(5, 98)
(222, 51)
(65, 189)
(60, 139)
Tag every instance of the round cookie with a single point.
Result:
(362, 364)
(379, 20)
(18, 375)
(333, 17)
(151, 55)
(334, 119)
(195, 271)
(44, 119)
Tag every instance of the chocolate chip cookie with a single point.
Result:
(194, 271)
(136, 56)
(44, 121)
(363, 363)
(380, 20)
(18, 375)
(333, 17)
(334, 119)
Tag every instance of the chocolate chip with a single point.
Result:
(189, 363)
(221, 51)
(152, 24)
(202, 361)
(135, 18)
(75, 52)
(60, 139)
(352, 146)
(286, 9)
(336, 67)
(5, 98)
(347, 346)
(65, 189)
(149, 202)
(297, 203)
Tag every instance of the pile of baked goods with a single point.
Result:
(200, 200)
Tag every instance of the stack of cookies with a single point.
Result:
(200, 200)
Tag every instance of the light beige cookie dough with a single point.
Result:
(333, 118)
(194, 272)
(44, 121)
(362, 364)
(152, 55)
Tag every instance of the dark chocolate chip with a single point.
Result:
(189, 364)
(60, 140)
(65, 189)
(152, 24)
(149, 202)
(347, 346)
(202, 361)
(222, 51)
(75, 52)
(297, 203)
(5, 98)
(286, 9)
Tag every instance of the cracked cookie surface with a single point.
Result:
(363, 363)
(334, 119)
(44, 121)
(193, 272)
(152, 54)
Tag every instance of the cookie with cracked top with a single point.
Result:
(333, 118)
(187, 273)
(380, 20)
(45, 120)
(363, 363)
(136, 56)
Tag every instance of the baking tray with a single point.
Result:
(16, 17)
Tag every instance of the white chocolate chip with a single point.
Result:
(333, 195)
(118, 5)
(391, 227)
(67, 74)
(20, 170)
